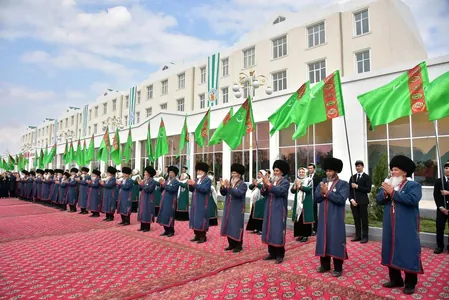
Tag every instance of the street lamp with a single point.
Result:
(67, 135)
(252, 81)
(113, 122)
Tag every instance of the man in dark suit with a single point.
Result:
(359, 188)
(441, 197)
(316, 181)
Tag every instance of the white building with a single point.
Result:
(370, 42)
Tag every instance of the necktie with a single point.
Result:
(358, 177)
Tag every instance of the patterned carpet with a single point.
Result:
(48, 254)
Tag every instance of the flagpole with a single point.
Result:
(349, 152)
(439, 160)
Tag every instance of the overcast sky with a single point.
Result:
(60, 53)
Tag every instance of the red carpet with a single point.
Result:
(48, 254)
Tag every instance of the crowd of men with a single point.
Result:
(164, 198)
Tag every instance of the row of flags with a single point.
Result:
(409, 93)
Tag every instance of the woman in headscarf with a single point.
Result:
(257, 204)
(182, 211)
(157, 192)
(302, 213)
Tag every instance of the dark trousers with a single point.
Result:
(411, 279)
(12, 193)
(442, 219)
(169, 229)
(360, 214)
(233, 244)
(200, 234)
(315, 216)
(276, 251)
(326, 263)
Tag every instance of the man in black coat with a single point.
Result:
(359, 188)
(12, 185)
(316, 181)
(441, 197)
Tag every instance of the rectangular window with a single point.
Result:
(137, 117)
(316, 35)
(181, 81)
(149, 92)
(361, 20)
(138, 97)
(317, 71)
(363, 61)
(126, 101)
(225, 95)
(95, 128)
(202, 101)
(246, 89)
(280, 47)
(126, 120)
(164, 89)
(149, 112)
(114, 105)
(225, 67)
(203, 75)
(279, 81)
(66, 124)
(164, 106)
(72, 121)
(249, 57)
(90, 115)
(180, 104)
(96, 111)
(105, 108)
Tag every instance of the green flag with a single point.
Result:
(2, 164)
(104, 147)
(184, 138)
(437, 95)
(12, 163)
(50, 156)
(202, 130)
(79, 156)
(35, 160)
(324, 102)
(71, 157)
(45, 156)
(66, 152)
(116, 153)
(128, 147)
(239, 125)
(285, 115)
(161, 143)
(216, 137)
(149, 149)
(41, 159)
(399, 98)
(89, 153)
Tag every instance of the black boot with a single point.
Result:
(123, 220)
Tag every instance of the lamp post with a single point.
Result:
(66, 135)
(251, 82)
(113, 122)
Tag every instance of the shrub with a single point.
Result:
(380, 172)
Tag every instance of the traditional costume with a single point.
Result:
(157, 193)
(257, 205)
(94, 195)
(72, 195)
(47, 183)
(199, 210)
(135, 190)
(145, 213)
(83, 194)
(213, 205)
(38, 182)
(234, 210)
(55, 194)
(124, 206)
(401, 247)
(182, 211)
(331, 235)
(109, 202)
(62, 193)
(275, 215)
(302, 212)
(169, 203)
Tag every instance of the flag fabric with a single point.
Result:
(149, 150)
(103, 151)
(284, 116)
(2, 164)
(45, 156)
(202, 130)
(184, 137)
(216, 137)
(116, 153)
(79, 156)
(35, 160)
(66, 152)
(239, 125)
(12, 163)
(50, 155)
(437, 96)
(71, 156)
(132, 105)
(161, 143)
(399, 98)
(128, 147)
(41, 159)
(325, 102)
(213, 71)
(89, 154)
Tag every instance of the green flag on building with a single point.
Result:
(202, 130)
(437, 96)
(216, 137)
(183, 138)
(161, 143)
(116, 153)
(239, 125)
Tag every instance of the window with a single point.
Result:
(114, 105)
(363, 61)
(105, 108)
(149, 112)
(96, 111)
(317, 71)
(66, 124)
(126, 101)
(361, 22)
(225, 67)
(180, 104)
(181, 81)
(126, 120)
(95, 128)
(225, 95)
(138, 97)
(202, 100)
(149, 92)
(137, 117)
(164, 89)
(80, 117)
(72, 121)
(280, 47)
(246, 89)
(249, 57)
(279, 20)
(90, 116)
(279, 81)
(316, 35)
(164, 106)
(203, 75)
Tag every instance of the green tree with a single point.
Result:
(380, 172)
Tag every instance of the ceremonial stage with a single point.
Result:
(49, 254)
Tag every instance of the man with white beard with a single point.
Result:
(169, 202)
(401, 248)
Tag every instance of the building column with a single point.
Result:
(137, 156)
(251, 158)
(274, 147)
(226, 164)
(190, 156)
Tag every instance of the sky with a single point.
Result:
(60, 53)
